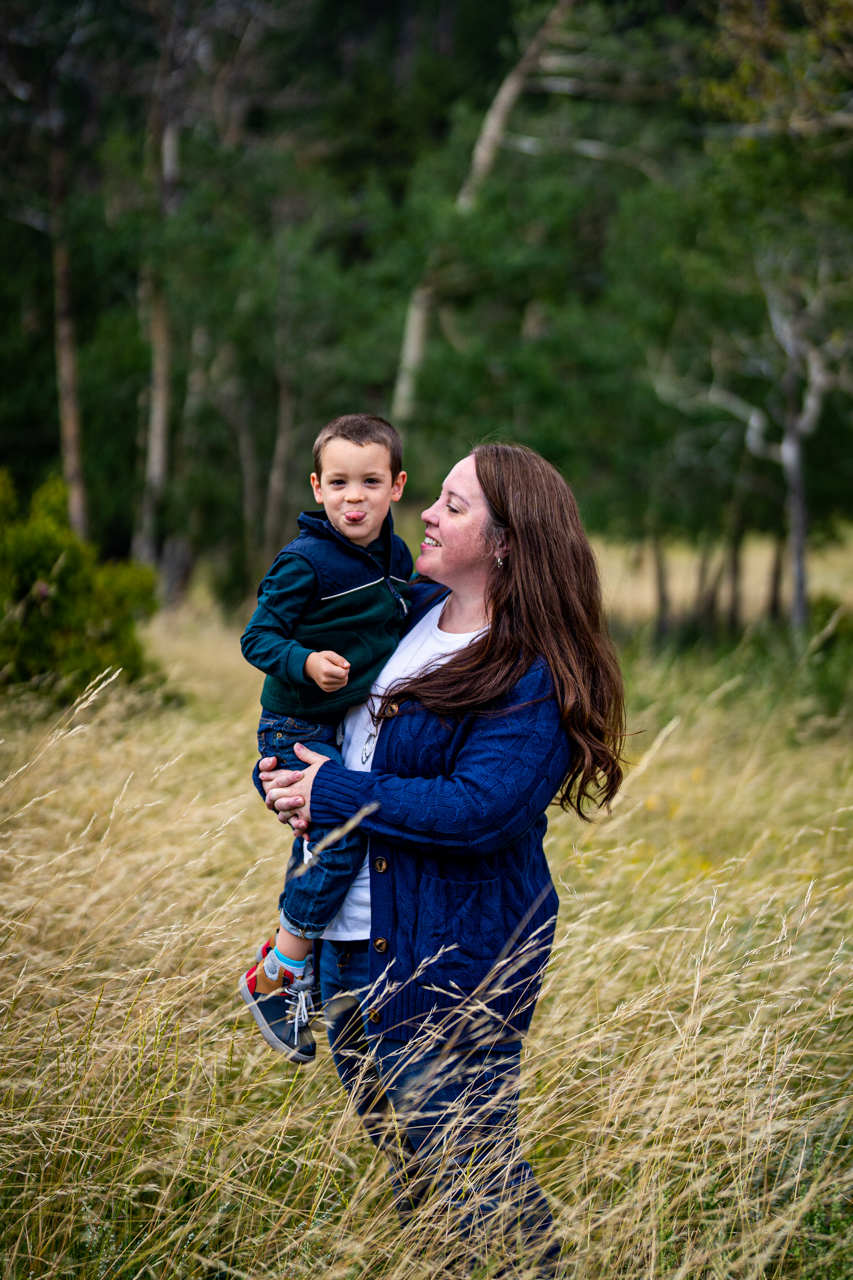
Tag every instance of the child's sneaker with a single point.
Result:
(317, 1012)
(284, 1015)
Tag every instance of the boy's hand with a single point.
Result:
(329, 670)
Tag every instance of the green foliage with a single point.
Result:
(829, 659)
(65, 617)
(8, 498)
(50, 503)
(617, 239)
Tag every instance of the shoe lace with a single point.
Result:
(301, 1007)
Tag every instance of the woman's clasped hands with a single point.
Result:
(288, 790)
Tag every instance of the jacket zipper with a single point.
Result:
(402, 607)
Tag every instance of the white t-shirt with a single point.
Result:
(424, 646)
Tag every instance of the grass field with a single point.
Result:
(687, 1081)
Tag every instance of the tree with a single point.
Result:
(489, 140)
(47, 91)
(784, 70)
(63, 71)
(803, 354)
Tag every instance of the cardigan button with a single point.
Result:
(392, 708)
(380, 864)
(373, 1015)
(381, 944)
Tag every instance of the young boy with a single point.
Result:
(328, 618)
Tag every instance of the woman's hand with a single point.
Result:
(289, 791)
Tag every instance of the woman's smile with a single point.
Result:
(454, 526)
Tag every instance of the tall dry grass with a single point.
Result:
(686, 1084)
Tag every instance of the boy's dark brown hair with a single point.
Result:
(361, 428)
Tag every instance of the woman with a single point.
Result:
(503, 694)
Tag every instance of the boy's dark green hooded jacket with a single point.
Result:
(324, 592)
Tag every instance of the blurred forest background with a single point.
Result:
(619, 233)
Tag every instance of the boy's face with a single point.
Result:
(356, 488)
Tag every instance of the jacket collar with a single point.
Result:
(315, 522)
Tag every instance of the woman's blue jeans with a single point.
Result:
(445, 1117)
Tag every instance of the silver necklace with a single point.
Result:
(367, 749)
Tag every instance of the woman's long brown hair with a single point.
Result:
(545, 600)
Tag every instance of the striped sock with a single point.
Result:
(275, 962)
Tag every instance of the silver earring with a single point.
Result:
(500, 562)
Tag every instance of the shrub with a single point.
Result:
(830, 656)
(64, 617)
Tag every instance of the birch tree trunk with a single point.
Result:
(806, 355)
(145, 541)
(492, 131)
(277, 482)
(495, 120)
(815, 353)
(412, 353)
(157, 447)
(792, 465)
(70, 431)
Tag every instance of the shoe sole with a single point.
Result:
(266, 1030)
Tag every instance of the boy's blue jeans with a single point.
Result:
(314, 891)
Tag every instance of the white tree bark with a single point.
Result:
(157, 445)
(803, 358)
(65, 346)
(492, 130)
(412, 353)
(145, 541)
(70, 432)
(589, 148)
(795, 323)
(496, 118)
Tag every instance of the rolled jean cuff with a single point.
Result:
(293, 926)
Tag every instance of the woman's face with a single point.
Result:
(454, 551)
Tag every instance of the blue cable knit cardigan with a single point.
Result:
(462, 903)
